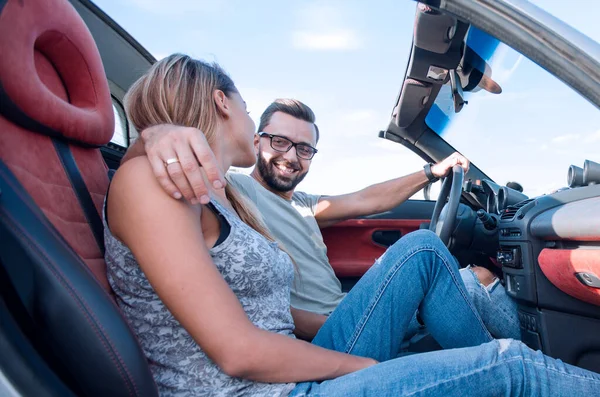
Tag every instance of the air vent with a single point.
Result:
(510, 211)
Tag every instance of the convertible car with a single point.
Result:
(66, 65)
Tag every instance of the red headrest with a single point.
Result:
(53, 30)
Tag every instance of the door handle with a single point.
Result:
(386, 237)
(589, 279)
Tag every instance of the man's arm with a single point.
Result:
(381, 196)
(307, 323)
(196, 165)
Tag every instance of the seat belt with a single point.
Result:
(81, 191)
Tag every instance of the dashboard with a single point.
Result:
(549, 251)
(498, 198)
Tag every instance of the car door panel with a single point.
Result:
(351, 247)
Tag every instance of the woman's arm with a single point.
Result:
(307, 323)
(166, 238)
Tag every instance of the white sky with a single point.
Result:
(346, 60)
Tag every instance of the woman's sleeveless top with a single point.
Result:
(257, 271)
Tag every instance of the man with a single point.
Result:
(285, 144)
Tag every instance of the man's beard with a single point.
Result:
(277, 182)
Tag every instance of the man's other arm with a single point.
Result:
(370, 200)
(380, 197)
(307, 323)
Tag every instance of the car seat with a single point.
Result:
(55, 301)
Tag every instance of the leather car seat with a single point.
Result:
(55, 113)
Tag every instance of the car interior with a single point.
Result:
(64, 71)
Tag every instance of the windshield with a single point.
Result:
(530, 133)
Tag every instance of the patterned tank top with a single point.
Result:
(257, 271)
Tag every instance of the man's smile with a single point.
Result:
(285, 169)
(279, 174)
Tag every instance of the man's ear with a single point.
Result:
(256, 143)
(222, 103)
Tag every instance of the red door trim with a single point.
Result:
(350, 246)
(561, 265)
(391, 224)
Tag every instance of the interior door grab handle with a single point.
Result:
(588, 279)
(386, 237)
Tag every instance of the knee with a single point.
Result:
(510, 347)
(425, 241)
(425, 234)
(421, 238)
(411, 242)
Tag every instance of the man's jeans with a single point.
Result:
(418, 272)
(497, 310)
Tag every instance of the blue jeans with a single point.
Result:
(497, 310)
(418, 272)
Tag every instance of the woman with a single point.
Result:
(207, 290)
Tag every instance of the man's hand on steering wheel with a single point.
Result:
(454, 167)
(182, 161)
(441, 169)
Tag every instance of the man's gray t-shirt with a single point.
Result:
(293, 224)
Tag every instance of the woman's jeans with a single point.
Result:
(418, 272)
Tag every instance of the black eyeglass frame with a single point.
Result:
(292, 144)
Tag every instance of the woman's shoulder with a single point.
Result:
(136, 167)
(136, 193)
(135, 179)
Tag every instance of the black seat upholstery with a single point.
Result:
(83, 334)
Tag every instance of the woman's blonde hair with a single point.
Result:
(179, 90)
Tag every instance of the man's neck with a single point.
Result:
(257, 177)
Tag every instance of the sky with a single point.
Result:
(347, 59)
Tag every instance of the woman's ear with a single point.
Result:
(222, 103)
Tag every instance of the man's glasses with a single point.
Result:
(283, 145)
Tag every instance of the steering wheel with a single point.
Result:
(443, 225)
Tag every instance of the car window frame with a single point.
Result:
(124, 122)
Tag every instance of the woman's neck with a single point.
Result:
(224, 155)
(222, 151)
